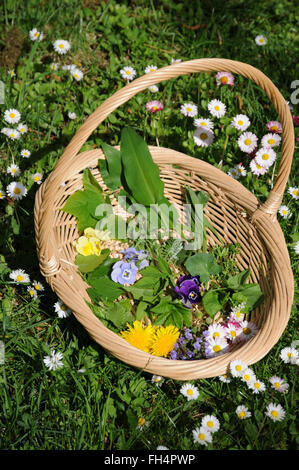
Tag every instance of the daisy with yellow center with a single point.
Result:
(248, 376)
(77, 74)
(164, 339)
(247, 142)
(38, 286)
(203, 137)
(278, 384)
(274, 126)
(265, 157)
(139, 335)
(270, 140)
(237, 367)
(275, 412)
(261, 40)
(225, 378)
(242, 412)
(202, 436)
(25, 153)
(16, 190)
(289, 355)
(61, 309)
(241, 122)
(22, 128)
(217, 108)
(256, 386)
(150, 68)
(203, 122)
(34, 34)
(224, 78)
(128, 73)
(256, 168)
(189, 391)
(294, 192)
(210, 423)
(189, 109)
(19, 276)
(249, 329)
(142, 423)
(14, 170)
(32, 292)
(37, 178)
(284, 211)
(2, 194)
(157, 380)
(61, 46)
(215, 347)
(12, 116)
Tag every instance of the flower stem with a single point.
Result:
(223, 151)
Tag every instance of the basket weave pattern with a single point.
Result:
(234, 212)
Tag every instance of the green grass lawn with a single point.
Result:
(95, 401)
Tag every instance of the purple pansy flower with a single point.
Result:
(124, 273)
(188, 290)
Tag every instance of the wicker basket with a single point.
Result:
(234, 211)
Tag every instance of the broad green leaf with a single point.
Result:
(237, 281)
(82, 205)
(141, 174)
(111, 168)
(254, 295)
(102, 270)
(212, 302)
(120, 313)
(86, 264)
(141, 310)
(105, 288)
(90, 183)
(203, 265)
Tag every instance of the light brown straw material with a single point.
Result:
(235, 213)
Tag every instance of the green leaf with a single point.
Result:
(213, 302)
(204, 265)
(111, 168)
(104, 288)
(141, 310)
(141, 173)
(90, 183)
(119, 313)
(237, 281)
(102, 270)
(253, 294)
(87, 264)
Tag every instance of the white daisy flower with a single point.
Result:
(203, 137)
(257, 386)
(150, 68)
(19, 275)
(237, 312)
(232, 331)
(162, 448)
(271, 140)
(25, 153)
(284, 211)
(13, 170)
(242, 412)
(294, 192)
(261, 40)
(2, 194)
(72, 115)
(278, 384)
(12, 116)
(37, 178)
(128, 73)
(175, 61)
(12, 133)
(215, 331)
(32, 292)
(61, 46)
(237, 367)
(61, 309)
(247, 142)
(54, 361)
(296, 248)
(275, 412)
(233, 173)
(203, 122)
(225, 378)
(16, 190)
(54, 66)
(249, 329)
(153, 89)
(241, 122)
(11, 73)
(225, 78)
(289, 355)
(77, 74)
(38, 286)
(265, 157)
(157, 380)
(241, 169)
(22, 128)
(142, 423)
(189, 391)
(69, 67)
(202, 436)
(189, 109)
(217, 108)
(248, 376)
(257, 169)
(210, 423)
(34, 34)
(215, 347)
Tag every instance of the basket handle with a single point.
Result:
(199, 65)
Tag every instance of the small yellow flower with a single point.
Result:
(164, 340)
(139, 335)
(89, 243)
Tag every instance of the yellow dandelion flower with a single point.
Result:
(139, 335)
(164, 340)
